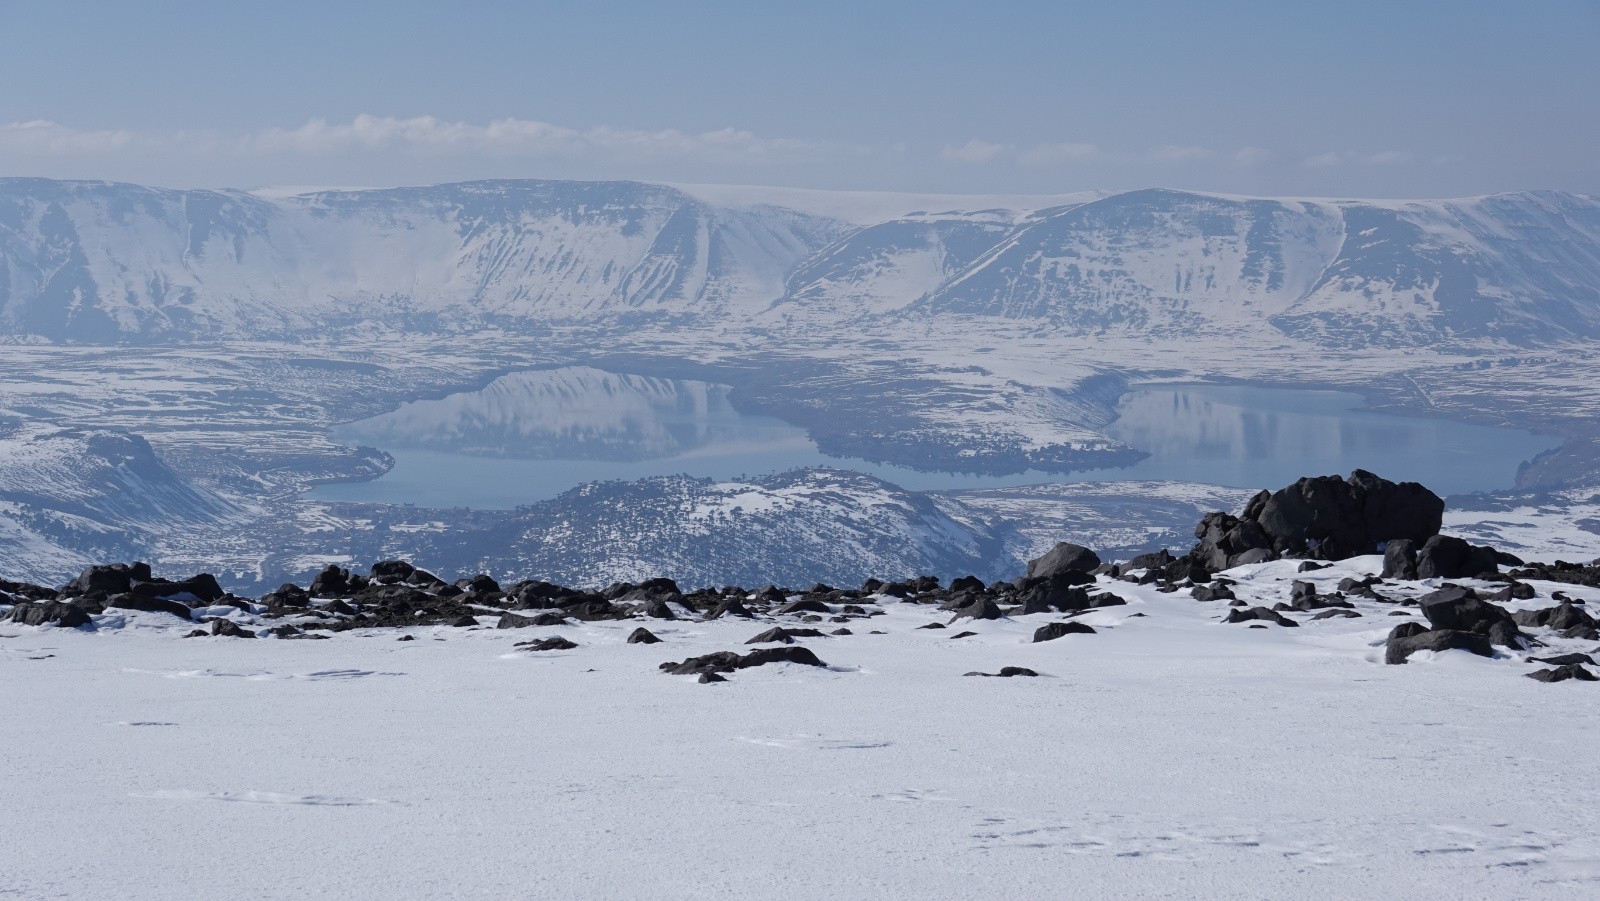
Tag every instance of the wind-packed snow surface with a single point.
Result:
(1169, 755)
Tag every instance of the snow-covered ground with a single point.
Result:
(1169, 755)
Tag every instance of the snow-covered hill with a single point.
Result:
(98, 262)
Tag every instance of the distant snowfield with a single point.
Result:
(1170, 755)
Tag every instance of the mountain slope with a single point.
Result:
(99, 262)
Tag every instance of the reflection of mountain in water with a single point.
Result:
(1242, 424)
(577, 413)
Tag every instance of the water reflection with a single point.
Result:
(530, 436)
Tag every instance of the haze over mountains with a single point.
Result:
(189, 354)
(102, 262)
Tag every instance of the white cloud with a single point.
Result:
(1174, 153)
(424, 136)
(1062, 154)
(1250, 157)
(1324, 160)
(525, 137)
(974, 151)
(39, 137)
(1387, 158)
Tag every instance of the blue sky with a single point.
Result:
(1354, 98)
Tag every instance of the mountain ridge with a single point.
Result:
(106, 262)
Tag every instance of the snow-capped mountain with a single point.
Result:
(96, 262)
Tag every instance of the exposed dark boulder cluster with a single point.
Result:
(1313, 520)
(1458, 619)
(1323, 517)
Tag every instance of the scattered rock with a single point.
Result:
(1563, 673)
(1052, 631)
(50, 613)
(230, 629)
(1005, 672)
(554, 643)
(642, 635)
(1062, 558)
(1408, 638)
(1239, 615)
(729, 661)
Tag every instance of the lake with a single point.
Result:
(530, 436)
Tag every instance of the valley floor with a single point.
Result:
(1169, 755)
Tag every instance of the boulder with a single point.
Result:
(1006, 672)
(1061, 558)
(553, 643)
(1449, 557)
(1400, 559)
(513, 621)
(977, 608)
(1563, 673)
(50, 613)
(332, 582)
(1408, 638)
(152, 605)
(227, 628)
(728, 661)
(784, 636)
(1456, 609)
(642, 635)
(107, 579)
(1052, 631)
(1239, 615)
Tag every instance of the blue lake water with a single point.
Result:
(530, 436)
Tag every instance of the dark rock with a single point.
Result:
(642, 635)
(479, 584)
(464, 622)
(1061, 592)
(406, 638)
(1006, 672)
(114, 578)
(967, 583)
(1098, 601)
(553, 643)
(1400, 559)
(1311, 566)
(1211, 593)
(707, 678)
(1344, 614)
(1157, 560)
(1563, 673)
(932, 626)
(842, 631)
(729, 607)
(1408, 638)
(1449, 557)
(1454, 608)
(729, 661)
(1064, 556)
(230, 629)
(805, 606)
(1052, 631)
(546, 618)
(287, 596)
(962, 635)
(152, 605)
(785, 636)
(1564, 659)
(332, 582)
(977, 608)
(390, 572)
(203, 588)
(1257, 613)
(50, 613)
